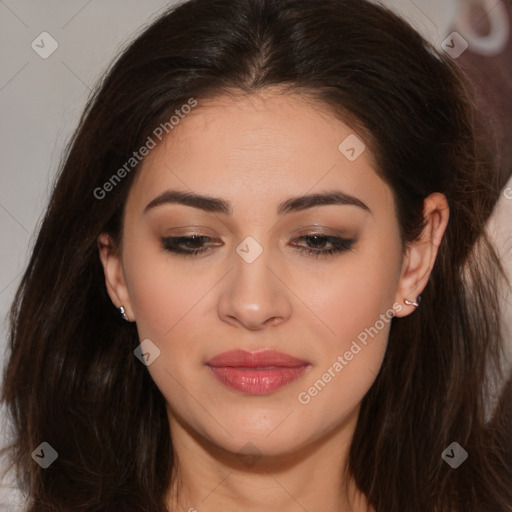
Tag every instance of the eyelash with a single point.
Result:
(340, 245)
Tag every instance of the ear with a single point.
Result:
(110, 256)
(421, 254)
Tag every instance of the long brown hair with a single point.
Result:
(72, 379)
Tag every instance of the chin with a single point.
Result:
(281, 441)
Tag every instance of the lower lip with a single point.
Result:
(255, 381)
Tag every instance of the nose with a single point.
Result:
(255, 294)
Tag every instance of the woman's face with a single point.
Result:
(255, 287)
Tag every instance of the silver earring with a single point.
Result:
(412, 303)
(123, 313)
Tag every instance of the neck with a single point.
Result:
(208, 477)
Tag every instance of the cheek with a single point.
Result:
(159, 295)
(352, 298)
(357, 307)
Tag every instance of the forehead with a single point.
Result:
(271, 121)
(258, 146)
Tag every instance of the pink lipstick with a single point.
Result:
(256, 373)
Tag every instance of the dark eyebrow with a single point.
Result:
(218, 205)
(295, 204)
(206, 203)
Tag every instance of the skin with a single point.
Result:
(256, 151)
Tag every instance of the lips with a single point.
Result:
(265, 358)
(256, 373)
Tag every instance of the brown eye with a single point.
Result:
(187, 245)
(317, 245)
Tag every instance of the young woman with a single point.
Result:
(263, 281)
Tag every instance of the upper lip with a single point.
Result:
(264, 358)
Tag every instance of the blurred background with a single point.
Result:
(54, 52)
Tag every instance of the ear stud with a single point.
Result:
(123, 313)
(413, 303)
